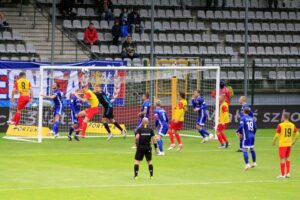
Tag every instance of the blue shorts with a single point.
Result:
(163, 130)
(201, 120)
(248, 143)
(74, 119)
(58, 111)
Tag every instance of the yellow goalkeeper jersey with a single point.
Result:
(180, 109)
(224, 113)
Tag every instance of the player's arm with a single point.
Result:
(296, 135)
(143, 113)
(195, 105)
(156, 120)
(14, 91)
(30, 92)
(83, 99)
(240, 128)
(277, 134)
(137, 138)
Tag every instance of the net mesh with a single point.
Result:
(125, 88)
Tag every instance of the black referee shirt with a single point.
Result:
(146, 134)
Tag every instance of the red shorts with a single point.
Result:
(221, 127)
(284, 152)
(91, 112)
(176, 126)
(22, 102)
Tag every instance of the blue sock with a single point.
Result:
(246, 158)
(241, 143)
(160, 145)
(77, 133)
(253, 154)
(205, 132)
(55, 127)
(201, 133)
(71, 131)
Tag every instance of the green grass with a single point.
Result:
(96, 169)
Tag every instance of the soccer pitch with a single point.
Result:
(97, 169)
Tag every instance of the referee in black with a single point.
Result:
(144, 135)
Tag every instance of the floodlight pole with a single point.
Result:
(152, 35)
(246, 50)
(53, 32)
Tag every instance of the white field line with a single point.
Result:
(137, 184)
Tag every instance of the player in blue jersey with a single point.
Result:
(243, 102)
(247, 131)
(57, 98)
(145, 110)
(200, 106)
(161, 122)
(75, 105)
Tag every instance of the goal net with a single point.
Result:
(124, 87)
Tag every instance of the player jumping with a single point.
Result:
(88, 114)
(57, 109)
(223, 122)
(108, 116)
(75, 105)
(177, 122)
(145, 110)
(200, 106)
(23, 86)
(161, 120)
(243, 102)
(144, 136)
(285, 132)
(247, 131)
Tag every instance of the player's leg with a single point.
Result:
(118, 126)
(224, 136)
(253, 153)
(148, 155)
(136, 168)
(151, 169)
(22, 102)
(171, 135)
(160, 143)
(282, 154)
(219, 136)
(288, 163)
(55, 126)
(246, 159)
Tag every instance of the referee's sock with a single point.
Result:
(118, 126)
(136, 170)
(151, 170)
(107, 127)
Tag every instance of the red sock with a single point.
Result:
(288, 166)
(224, 137)
(80, 122)
(282, 165)
(84, 126)
(17, 118)
(178, 138)
(220, 138)
(171, 137)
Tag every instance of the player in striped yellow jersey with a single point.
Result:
(91, 98)
(284, 133)
(223, 122)
(177, 122)
(23, 87)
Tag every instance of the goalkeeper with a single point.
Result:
(108, 115)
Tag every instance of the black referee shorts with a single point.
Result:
(108, 113)
(141, 152)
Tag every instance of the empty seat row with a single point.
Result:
(19, 48)
(161, 13)
(171, 3)
(265, 27)
(21, 58)
(89, 12)
(85, 2)
(269, 39)
(6, 35)
(263, 51)
(275, 62)
(284, 75)
(259, 15)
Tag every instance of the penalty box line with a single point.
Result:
(150, 185)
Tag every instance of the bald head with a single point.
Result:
(145, 121)
(242, 100)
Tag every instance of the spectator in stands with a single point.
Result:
(91, 35)
(271, 2)
(223, 91)
(129, 49)
(124, 15)
(123, 31)
(3, 22)
(116, 32)
(66, 7)
(134, 21)
(106, 8)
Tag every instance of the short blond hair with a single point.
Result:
(157, 102)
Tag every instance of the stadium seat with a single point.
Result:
(30, 48)
(180, 37)
(281, 75)
(264, 27)
(229, 51)
(197, 37)
(21, 48)
(16, 36)
(260, 51)
(201, 14)
(215, 26)
(144, 13)
(162, 37)
(85, 23)
(188, 37)
(91, 12)
(145, 37)
(95, 49)
(96, 24)
(211, 50)
(109, 37)
(192, 26)
(186, 14)
(223, 75)
(141, 49)
(240, 75)
(238, 38)
(161, 13)
(177, 50)
(235, 14)
(276, 15)
(183, 26)
(174, 25)
(168, 50)
(271, 39)
(81, 12)
(194, 50)
(185, 50)
(226, 14)
(10, 48)
(269, 51)
(232, 26)
(166, 25)
(201, 26)
(254, 39)
(279, 39)
(232, 75)
(158, 50)
(277, 51)
(210, 14)
(104, 24)
(206, 38)
(218, 14)
(263, 38)
(203, 50)
(294, 51)
(281, 27)
(104, 49)
(268, 15)
(290, 75)
(2, 48)
(6, 35)
(229, 38)
(178, 14)
(171, 37)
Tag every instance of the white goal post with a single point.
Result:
(162, 82)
